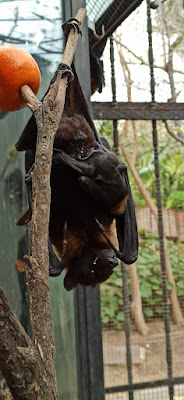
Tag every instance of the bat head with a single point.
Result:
(92, 268)
(107, 186)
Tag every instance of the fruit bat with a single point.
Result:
(91, 202)
(97, 75)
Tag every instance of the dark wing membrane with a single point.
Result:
(27, 141)
(127, 228)
(75, 102)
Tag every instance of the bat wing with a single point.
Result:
(126, 227)
(126, 223)
(75, 102)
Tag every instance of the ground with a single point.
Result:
(148, 356)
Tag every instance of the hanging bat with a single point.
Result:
(91, 201)
(97, 74)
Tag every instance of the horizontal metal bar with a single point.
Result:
(138, 111)
(145, 385)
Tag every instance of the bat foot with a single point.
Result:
(72, 23)
(53, 272)
(28, 176)
(56, 266)
(65, 71)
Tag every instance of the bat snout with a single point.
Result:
(113, 262)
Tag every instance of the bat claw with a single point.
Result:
(65, 71)
(28, 176)
(72, 23)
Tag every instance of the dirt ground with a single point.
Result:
(148, 354)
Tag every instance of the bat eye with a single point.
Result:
(111, 264)
(94, 262)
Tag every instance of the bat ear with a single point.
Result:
(69, 282)
(27, 140)
(127, 228)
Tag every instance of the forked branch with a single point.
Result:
(34, 377)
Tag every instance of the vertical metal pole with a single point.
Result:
(87, 300)
(113, 85)
(82, 61)
(160, 216)
(67, 9)
(89, 343)
(123, 266)
(127, 328)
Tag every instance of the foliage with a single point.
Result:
(170, 161)
(176, 200)
(149, 273)
(111, 298)
(168, 35)
(106, 129)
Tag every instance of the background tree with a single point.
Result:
(135, 136)
(166, 32)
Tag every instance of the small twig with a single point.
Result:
(29, 97)
(142, 61)
(171, 133)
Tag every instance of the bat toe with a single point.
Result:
(72, 23)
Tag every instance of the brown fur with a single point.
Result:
(76, 242)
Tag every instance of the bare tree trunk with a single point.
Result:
(176, 310)
(136, 305)
(177, 314)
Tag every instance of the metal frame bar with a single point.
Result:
(86, 300)
(145, 385)
(138, 111)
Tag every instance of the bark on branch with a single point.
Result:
(29, 368)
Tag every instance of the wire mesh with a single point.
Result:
(152, 359)
(34, 25)
(96, 9)
(160, 393)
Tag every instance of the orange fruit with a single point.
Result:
(17, 68)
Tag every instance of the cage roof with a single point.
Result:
(108, 14)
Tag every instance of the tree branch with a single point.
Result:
(143, 62)
(171, 133)
(41, 375)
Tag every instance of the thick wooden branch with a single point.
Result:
(13, 342)
(21, 363)
(35, 359)
(47, 117)
(5, 393)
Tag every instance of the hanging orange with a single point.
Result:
(17, 68)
